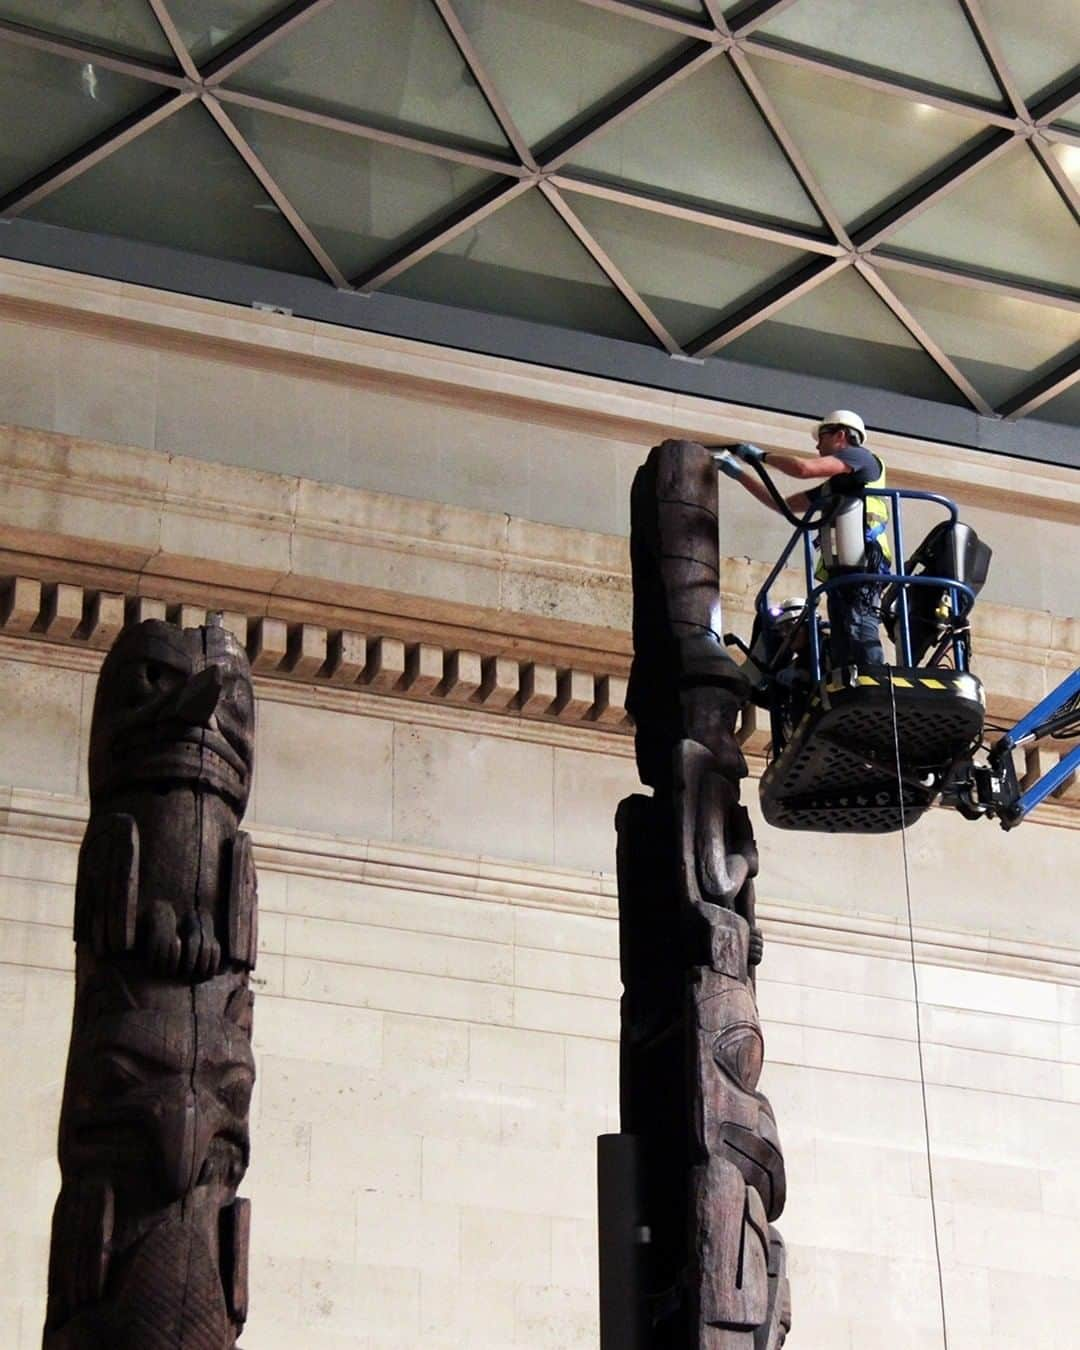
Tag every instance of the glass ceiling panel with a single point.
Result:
(361, 198)
(1039, 39)
(1068, 156)
(1000, 342)
(842, 331)
(50, 106)
(209, 27)
(126, 26)
(181, 184)
(690, 275)
(390, 62)
(927, 42)
(524, 261)
(1065, 408)
(1008, 219)
(556, 62)
(705, 143)
(865, 148)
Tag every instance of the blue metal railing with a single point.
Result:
(956, 590)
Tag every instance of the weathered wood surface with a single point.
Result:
(710, 1174)
(149, 1239)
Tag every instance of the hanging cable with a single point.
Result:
(918, 1017)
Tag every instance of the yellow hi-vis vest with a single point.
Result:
(860, 521)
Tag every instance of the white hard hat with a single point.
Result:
(843, 417)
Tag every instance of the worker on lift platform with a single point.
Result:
(871, 752)
(854, 538)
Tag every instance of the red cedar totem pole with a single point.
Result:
(149, 1240)
(688, 1190)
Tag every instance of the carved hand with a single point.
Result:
(188, 949)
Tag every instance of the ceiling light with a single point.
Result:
(1070, 160)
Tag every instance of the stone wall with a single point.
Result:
(434, 590)
(436, 1031)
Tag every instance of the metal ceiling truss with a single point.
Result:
(1026, 127)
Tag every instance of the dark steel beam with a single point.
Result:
(487, 85)
(441, 234)
(935, 352)
(994, 56)
(366, 131)
(72, 50)
(1056, 171)
(93, 152)
(1059, 135)
(793, 154)
(610, 268)
(273, 191)
(1052, 384)
(273, 30)
(658, 18)
(883, 84)
(1050, 108)
(175, 41)
(958, 276)
(715, 219)
(756, 13)
(684, 65)
(927, 193)
(776, 298)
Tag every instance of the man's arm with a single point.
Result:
(729, 465)
(823, 466)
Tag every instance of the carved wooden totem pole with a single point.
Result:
(688, 1190)
(149, 1240)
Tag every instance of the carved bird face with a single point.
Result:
(158, 1087)
(173, 706)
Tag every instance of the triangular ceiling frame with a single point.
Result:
(1016, 126)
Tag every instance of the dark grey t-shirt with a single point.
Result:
(863, 466)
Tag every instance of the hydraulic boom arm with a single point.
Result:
(992, 789)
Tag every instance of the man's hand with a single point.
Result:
(749, 454)
(726, 462)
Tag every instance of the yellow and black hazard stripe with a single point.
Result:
(957, 682)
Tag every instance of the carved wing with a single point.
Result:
(107, 884)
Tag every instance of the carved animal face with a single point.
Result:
(738, 1120)
(173, 706)
(159, 1083)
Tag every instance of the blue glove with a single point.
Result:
(726, 462)
(749, 454)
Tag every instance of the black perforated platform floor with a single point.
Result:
(838, 774)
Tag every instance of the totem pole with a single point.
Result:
(688, 1189)
(149, 1240)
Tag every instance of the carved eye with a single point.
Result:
(234, 1091)
(236, 691)
(117, 1075)
(147, 680)
(739, 1051)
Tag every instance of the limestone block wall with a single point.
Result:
(436, 1031)
(425, 555)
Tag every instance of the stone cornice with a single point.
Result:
(607, 407)
(42, 815)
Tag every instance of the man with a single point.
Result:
(856, 537)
